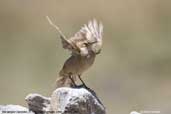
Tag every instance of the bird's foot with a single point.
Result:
(73, 85)
(84, 86)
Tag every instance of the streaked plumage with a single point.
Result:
(88, 38)
(84, 47)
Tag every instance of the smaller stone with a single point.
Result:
(38, 103)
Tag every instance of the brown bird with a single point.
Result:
(84, 47)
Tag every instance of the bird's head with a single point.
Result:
(96, 47)
(88, 48)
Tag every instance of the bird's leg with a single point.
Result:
(79, 76)
(73, 82)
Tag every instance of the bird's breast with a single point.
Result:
(78, 64)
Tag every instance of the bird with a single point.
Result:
(84, 45)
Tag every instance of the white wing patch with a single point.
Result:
(91, 32)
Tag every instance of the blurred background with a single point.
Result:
(133, 72)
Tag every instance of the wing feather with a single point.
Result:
(88, 34)
(91, 32)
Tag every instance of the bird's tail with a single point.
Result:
(63, 81)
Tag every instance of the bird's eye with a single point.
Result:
(86, 44)
(94, 42)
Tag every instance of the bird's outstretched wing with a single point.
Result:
(92, 32)
(88, 38)
(65, 43)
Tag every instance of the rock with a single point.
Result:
(66, 100)
(76, 101)
(14, 109)
(38, 103)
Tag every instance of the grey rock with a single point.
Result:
(76, 101)
(63, 100)
(38, 103)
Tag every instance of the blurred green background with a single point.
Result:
(132, 72)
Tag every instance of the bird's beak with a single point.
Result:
(98, 52)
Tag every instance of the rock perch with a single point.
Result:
(63, 100)
(66, 100)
